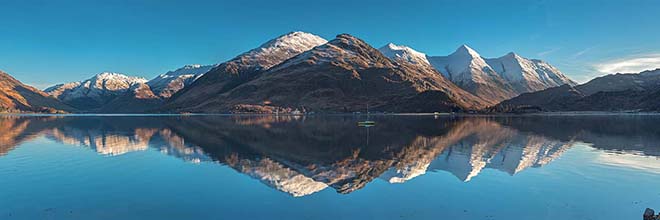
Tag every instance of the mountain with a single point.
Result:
(467, 69)
(241, 69)
(94, 92)
(343, 75)
(500, 78)
(527, 75)
(419, 62)
(643, 81)
(18, 97)
(615, 92)
(165, 85)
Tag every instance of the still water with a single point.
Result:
(327, 167)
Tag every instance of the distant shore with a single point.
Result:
(572, 113)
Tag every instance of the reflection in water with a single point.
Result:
(304, 155)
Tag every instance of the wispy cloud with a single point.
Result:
(543, 53)
(632, 64)
(582, 52)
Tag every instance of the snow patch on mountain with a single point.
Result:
(165, 85)
(281, 48)
(404, 53)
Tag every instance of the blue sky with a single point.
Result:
(48, 42)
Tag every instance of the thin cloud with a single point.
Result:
(630, 65)
(582, 52)
(543, 53)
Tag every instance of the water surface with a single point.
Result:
(327, 167)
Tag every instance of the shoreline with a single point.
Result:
(572, 113)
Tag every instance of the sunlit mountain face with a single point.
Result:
(304, 155)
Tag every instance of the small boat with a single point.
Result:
(366, 123)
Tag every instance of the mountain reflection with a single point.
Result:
(304, 155)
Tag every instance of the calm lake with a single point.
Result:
(328, 167)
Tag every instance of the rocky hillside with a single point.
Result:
(18, 97)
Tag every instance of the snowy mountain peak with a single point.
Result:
(465, 50)
(279, 49)
(166, 84)
(400, 52)
(116, 77)
(95, 91)
(191, 66)
(512, 55)
(190, 69)
(527, 75)
(293, 40)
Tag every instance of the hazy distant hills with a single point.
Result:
(615, 92)
(302, 72)
(118, 93)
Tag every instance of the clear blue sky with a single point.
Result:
(48, 42)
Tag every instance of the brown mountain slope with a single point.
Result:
(18, 97)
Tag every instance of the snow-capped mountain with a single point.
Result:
(243, 68)
(500, 78)
(404, 53)
(166, 84)
(527, 75)
(95, 91)
(467, 69)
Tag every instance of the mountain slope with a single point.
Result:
(344, 75)
(94, 92)
(18, 97)
(165, 85)
(467, 69)
(243, 68)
